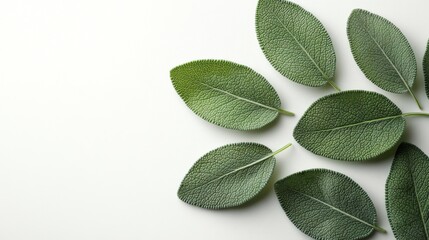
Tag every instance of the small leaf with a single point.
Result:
(327, 205)
(351, 125)
(382, 52)
(295, 43)
(407, 193)
(227, 94)
(426, 69)
(228, 176)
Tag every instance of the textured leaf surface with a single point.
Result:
(295, 42)
(327, 205)
(227, 94)
(228, 176)
(350, 125)
(426, 69)
(382, 52)
(407, 194)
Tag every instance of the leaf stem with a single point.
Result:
(415, 114)
(334, 85)
(415, 99)
(281, 149)
(377, 228)
(284, 112)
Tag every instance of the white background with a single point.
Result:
(94, 140)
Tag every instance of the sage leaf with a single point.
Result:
(426, 69)
(327, 205)
(407, 193)
(295, 42)
(350, 125)
(382, 52)
(228, 176)
(227, 94)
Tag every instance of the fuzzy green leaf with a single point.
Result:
(407, 194)
(350, 125)
(227, 94)
(327, 205)
(426, 69)
(382, 52)
(295, 42)
(228, 176)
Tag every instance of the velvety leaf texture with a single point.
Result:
(327, 205)
(295, 42)
(426, 69)
(227, 94)
(382, 52)
(407, 194)
(350, 125)
(228, 176)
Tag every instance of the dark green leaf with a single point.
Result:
(407, 194)
(295, 42)
(227, 94)
(327, 205)
(350, 125)
(382, 52)
(426, 69)
(228, 176)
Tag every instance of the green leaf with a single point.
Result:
(228, 176)
(227, 94)
(382, 52)
(327, 205)
(426, 69)
(351, 125)
(295, 43)
(407, 193)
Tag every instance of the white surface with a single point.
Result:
(95, 141)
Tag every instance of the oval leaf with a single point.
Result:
(382, 52)
(227, 94)
(407, 193)
(426, 69)
(350, 125)
(228, 176)
(295, 43)
(327, 205)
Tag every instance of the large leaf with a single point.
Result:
(295, 43)
(426, 69)
(327, 205)
(228, 176)
(382, 52)
(350, 125)
(407, 194)
(227, 94)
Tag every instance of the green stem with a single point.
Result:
(334, 85)
(415, 114)
(281, 149)
(377, 228)
(284, 112)
(415, 99)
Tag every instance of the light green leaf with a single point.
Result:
(407, 193)
(382, 52)
(228, 176)
(227, 94)
(426, 69)
(327, 205)
(351, 125)
(295, 43)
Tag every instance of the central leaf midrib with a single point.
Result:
(356, 124)
(324, 75)
(232, 172)
(334, 208)
(418, 202)
(239, 98)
